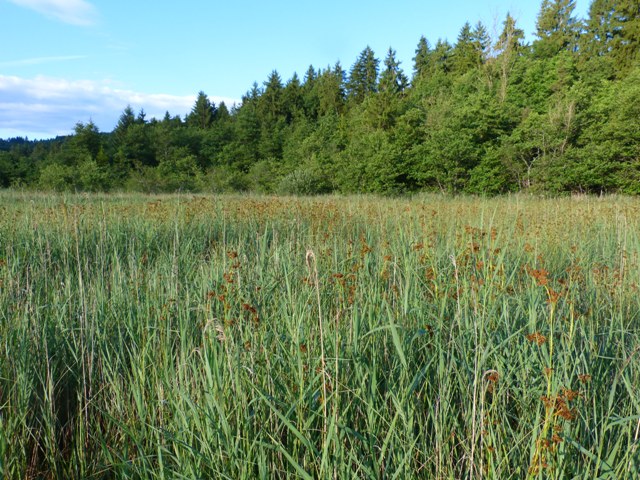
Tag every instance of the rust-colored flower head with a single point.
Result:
(584, 378)
(536, 338)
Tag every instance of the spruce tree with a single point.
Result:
(556, 28)
(292, 101)
(465, 53)
(481, 40)
(309, 94)
(392, 78)
(87, 137)
(202, 113)
(330, 89)
(363, 78)
(271, 105)
(422, 60)
(442, 56)
(613, 35)
(626, 41)
(126, 120)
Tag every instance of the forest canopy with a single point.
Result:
(481, 115)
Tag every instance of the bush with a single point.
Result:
(56, 177)
(177, 172)
(304, 181)
(91, 177)
(225, 179)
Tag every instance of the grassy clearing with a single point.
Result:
(251, 337)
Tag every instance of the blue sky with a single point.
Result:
(65, 61)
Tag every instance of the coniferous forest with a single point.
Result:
(481, 115)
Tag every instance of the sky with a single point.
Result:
(69, 61)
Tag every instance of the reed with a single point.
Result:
(358, 337)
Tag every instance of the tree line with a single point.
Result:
(481, 115)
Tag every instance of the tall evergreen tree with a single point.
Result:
(292, 100)
(442, 56)
(310, 76)
(271, 113)
(595, 42)
(222, 113)
(612, 37)
(467, 53)
(132, 143)
(330, 90)
(556, 28)
(87, 136)
(271, 105)
(202, 113)
(599, 28)
(482, 40)
(392, 78)
(422, 60)
(310, 98)
(126, 120)
(363, 78)
(626, 42)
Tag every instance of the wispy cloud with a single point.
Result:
(43, 107)
(74, 12)
(40, 60)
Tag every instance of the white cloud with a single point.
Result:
(74, 12)
(44, 107)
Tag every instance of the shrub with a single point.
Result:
(304, 181)
(56, 177)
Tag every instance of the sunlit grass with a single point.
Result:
(254, 337)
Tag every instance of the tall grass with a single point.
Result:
(252, 337)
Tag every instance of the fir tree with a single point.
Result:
(626, 40)
(481, 40)
(467, 52)
(202, 113)
(271, 106)
(363, 78)
(392, 78)
(556, 28)
(330, 90)
(292, 100)
(442, 56)
(422, 60)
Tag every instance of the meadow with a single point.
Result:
(248, 337)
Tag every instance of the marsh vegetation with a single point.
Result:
(333, 337)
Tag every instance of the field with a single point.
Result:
(359, 337)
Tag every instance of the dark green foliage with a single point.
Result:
(203, 112)
(613, 35)
(559, 115)
(468, 52)
(509, 48)
(392, 79)
(608, 154)
(556, 28)
(306, 180)
(330, 91)
(423, 58)
(442, 54)
(363, 79)
(510, 39)
(87, 137)
(6, 169)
